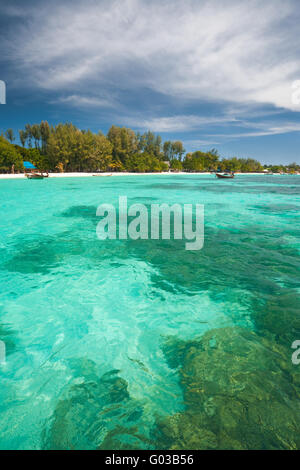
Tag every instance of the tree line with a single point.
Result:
(65, 148)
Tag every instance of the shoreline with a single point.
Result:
(87, 175)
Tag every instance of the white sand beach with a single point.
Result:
(85, 175)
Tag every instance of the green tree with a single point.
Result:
(36, 134)
(9, 157)
(98, 153)
(60, 148)
(23, 137)
(173, 150)
(124, 143)
(145, 163)
(150, 143)
(250, 165)
(168, 150)
(212, 159)
(76, 150)
(178, 150)
(45, 134)
(9, 134)
(195, 161)
(29, 134)
(176, 165)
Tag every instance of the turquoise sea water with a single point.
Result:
(101, 335)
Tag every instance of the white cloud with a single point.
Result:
(263, 129)
(195, 144)
(260, 129)
(86, 101)
(223, 50)
(191, 123)
(179, 122)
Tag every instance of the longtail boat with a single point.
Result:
(33, 173)
(225, 175)
(37, 175)
(103, 176)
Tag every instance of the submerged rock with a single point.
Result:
(279, 317)
(86, 414)
(240, 392)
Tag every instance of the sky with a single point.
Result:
(221, 74)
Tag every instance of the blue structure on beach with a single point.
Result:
(29, 166)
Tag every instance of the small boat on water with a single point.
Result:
(32, 173)
(225, 175)
(37, 176)
(103, 176)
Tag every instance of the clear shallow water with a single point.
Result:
(98, 333)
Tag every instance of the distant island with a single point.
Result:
(65, 148)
